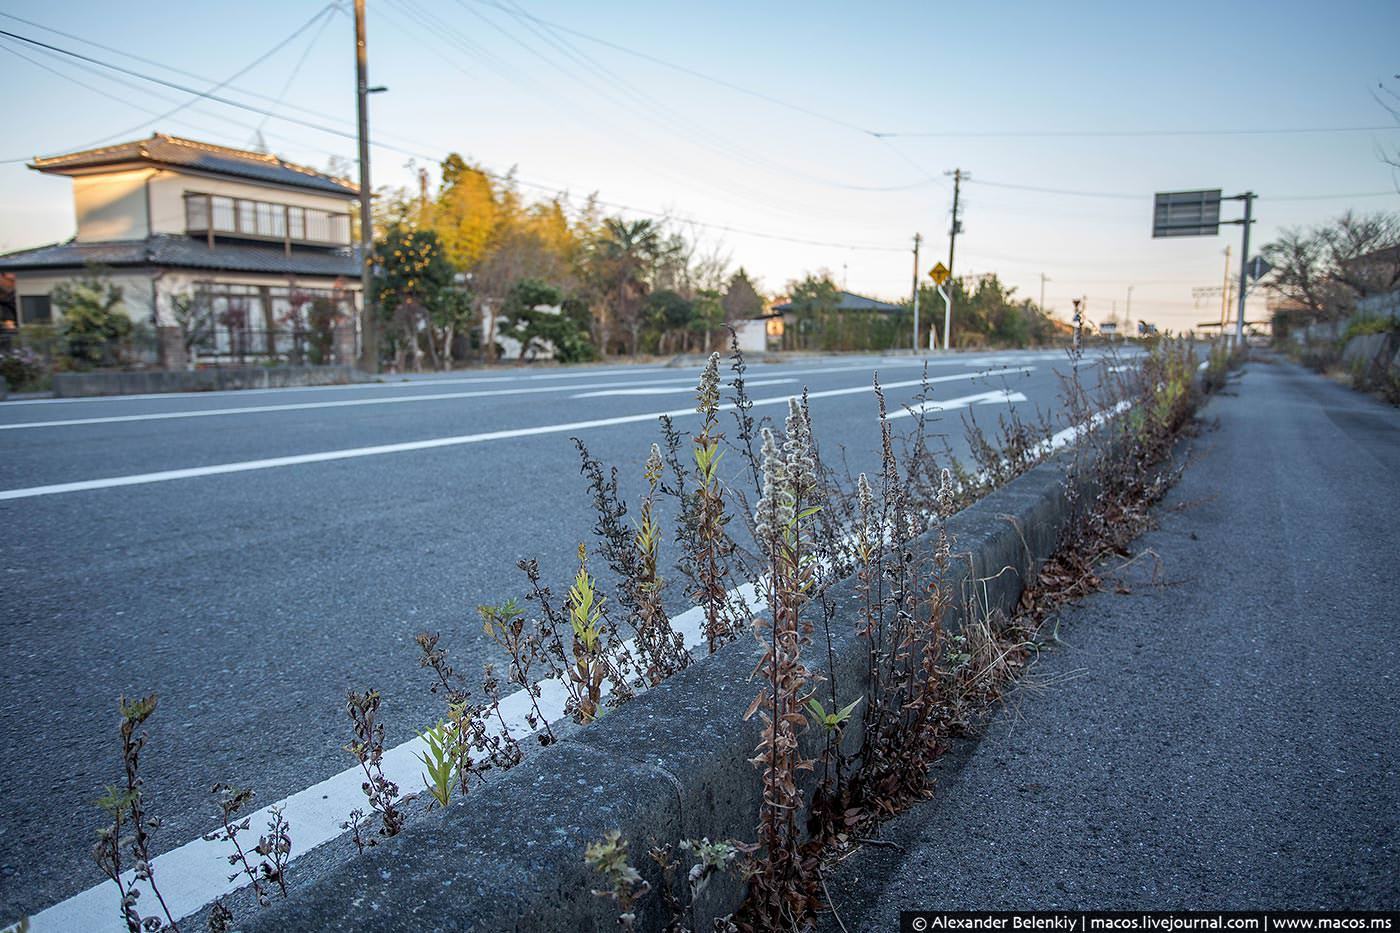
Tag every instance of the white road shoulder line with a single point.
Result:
(196, 874)
(245, 466)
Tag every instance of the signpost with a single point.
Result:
(939, 273)
(1197, 213)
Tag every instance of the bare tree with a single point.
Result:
(1323, 270)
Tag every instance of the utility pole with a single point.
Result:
(1248, 198)
(1043, 280)
(917, 238)
(1225, 295)
(369, 332)
(1128, 311)
(953, 231)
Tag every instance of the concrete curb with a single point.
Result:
(670, 765)
(147, 382)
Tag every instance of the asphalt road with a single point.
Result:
(250, 600)
(1221, 737)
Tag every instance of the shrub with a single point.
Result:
(93, 318)
(1370, 324)
(23, 369)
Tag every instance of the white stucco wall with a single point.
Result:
(752, 335)
(138, 297)
(111, 206)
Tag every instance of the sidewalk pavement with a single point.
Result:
(1230, 739)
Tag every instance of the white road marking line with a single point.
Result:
(997, 396)
(244, 466)
(667, 390)
(674, 385)
(196, 873)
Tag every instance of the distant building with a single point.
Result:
(1108, 328)
(791, 334)
(849, 301)
(261, 247)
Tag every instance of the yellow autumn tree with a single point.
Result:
(466, 213)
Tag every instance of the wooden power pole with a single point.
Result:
(369, 331)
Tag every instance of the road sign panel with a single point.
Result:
(1258, 268)
(1186, 213)
(939, 274)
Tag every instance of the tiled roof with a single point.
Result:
(185, 253)
(849, 301)
(187, 153)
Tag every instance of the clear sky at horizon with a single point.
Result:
(569, 113)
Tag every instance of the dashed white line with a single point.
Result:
(666, 390)
(995, 397)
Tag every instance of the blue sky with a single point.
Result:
(483, 78)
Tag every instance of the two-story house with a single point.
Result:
(233, 254)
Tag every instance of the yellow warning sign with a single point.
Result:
(939, 274)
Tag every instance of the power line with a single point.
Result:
(331, 9)
(174, 85)
(1125, 196)
(150, 61)
(504, 178)
(1098, 134)
(739, 88)
(104, 93)
(323, 16)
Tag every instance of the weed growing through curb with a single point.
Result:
(624, 884)
(129, 832)
(710, 546)
(355, 825)
(781, 880)
(662, 648)
(368, 749)
(585, 607)
(507, 627)
(273, 851)
(626, 887)
(220, 919)
(437, 757)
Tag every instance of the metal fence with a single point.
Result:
(235, 323)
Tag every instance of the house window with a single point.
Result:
(265, 220)
(270, 220)
(223, 213)
(35, 309)
(245, 217)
